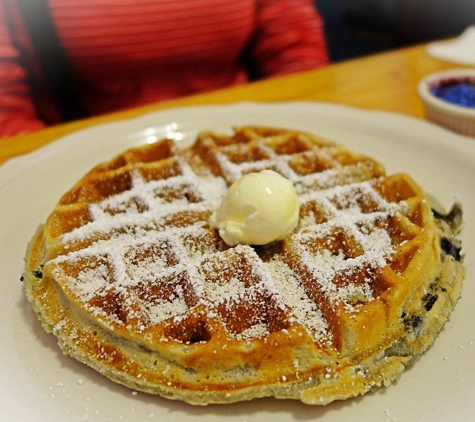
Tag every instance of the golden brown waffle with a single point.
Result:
(129, 275)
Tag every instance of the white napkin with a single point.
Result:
(460, 50)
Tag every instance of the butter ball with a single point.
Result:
(257, 209)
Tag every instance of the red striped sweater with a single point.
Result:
(127, 53)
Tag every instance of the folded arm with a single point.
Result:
(17, 110)
(289, 37)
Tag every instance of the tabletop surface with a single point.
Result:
(385, 81)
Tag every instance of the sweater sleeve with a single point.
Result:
(289, 37)
(17, 110)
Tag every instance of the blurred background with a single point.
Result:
(359, 27)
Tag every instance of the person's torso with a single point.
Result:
(127, 53)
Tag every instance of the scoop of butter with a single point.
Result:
(257, 209)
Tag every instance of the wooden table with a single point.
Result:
(384, 81)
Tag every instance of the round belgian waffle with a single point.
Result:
(132, 279)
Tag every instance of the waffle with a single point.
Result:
(132, 279)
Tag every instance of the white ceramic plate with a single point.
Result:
(39, 384)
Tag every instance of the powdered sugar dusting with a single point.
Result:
(153, 256)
